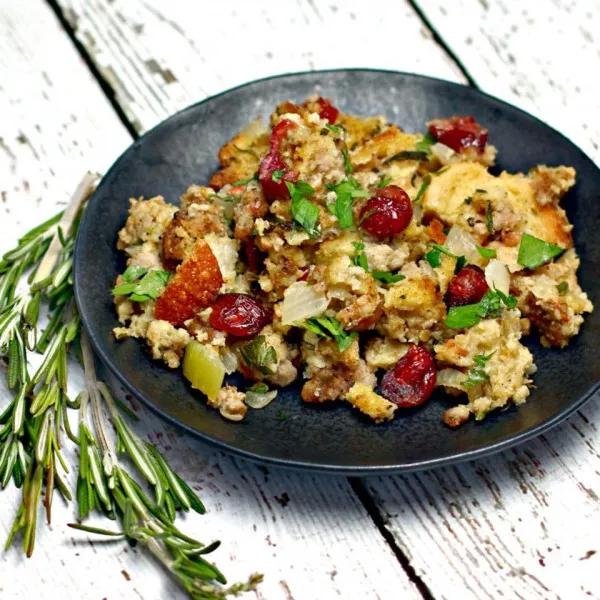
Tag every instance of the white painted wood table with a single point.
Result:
(80, 78)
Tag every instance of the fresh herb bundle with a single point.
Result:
(35, 423)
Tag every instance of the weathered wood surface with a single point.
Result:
(524, 524)
(540, 55)
(306, 533)
(160, 56)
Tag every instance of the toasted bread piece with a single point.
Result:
(195, 285)
(241, 156)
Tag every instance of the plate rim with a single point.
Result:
(305, 465)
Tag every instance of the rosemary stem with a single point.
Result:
(81, 194)
(89, 369)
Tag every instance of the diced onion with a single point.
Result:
(451, 378)
(230, 360)
(256, 400)
(497, 276)
(462, 243)
(417, 212)
(443, 152)
(301, 302)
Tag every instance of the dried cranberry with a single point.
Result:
(328, 111)
(410, 382)
(468, 286)
(305, 273)
(459, 133)
(387, 213)
(273, 161)
(239, 315)
(254, 257)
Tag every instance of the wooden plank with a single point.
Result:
(57, 123)
(539, 55)
(160, 56)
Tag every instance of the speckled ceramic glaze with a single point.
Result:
(182, 150)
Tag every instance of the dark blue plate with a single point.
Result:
(334, 438)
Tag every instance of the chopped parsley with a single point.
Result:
(383, 182)
(491, 305)
(425, 144)
(304, 212)
(489, 218)
(534, 252)
(387, 276)
(141, 285)
(330, 327)
(333, 128)
(360, 260)
(486, 252)
(477, 374)
(277, 175)
(345, 192)
(433, 257)
(259, 355)
(563, 288)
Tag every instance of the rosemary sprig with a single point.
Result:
(35, 422)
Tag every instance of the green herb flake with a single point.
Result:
(133, 272)
(246, 150)
(490, 306)
(258, 388)
(245, 181)
(563, 288)
(277, 175)
(331, 328)
(347, 164)
(434, 259)
(304, 212)
(486, 252)
(149, 287)
(489, 218)
(333, 128)
(346, 191)
(259, 355)
(387, 276)
(534, 252)
(360, 260)
(477, 374)
(407, 155)
(425, 144)
(384, 181)
(423, 188)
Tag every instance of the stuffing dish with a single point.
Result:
(371, 264)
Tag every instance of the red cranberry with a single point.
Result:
(410, 382)
(239, 315)
(305, 273)
(468, 286)
(459, 133)
(328, 111)
(387, 213)
(273, 161)
(254, 257)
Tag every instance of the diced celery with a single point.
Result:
(203, 368)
